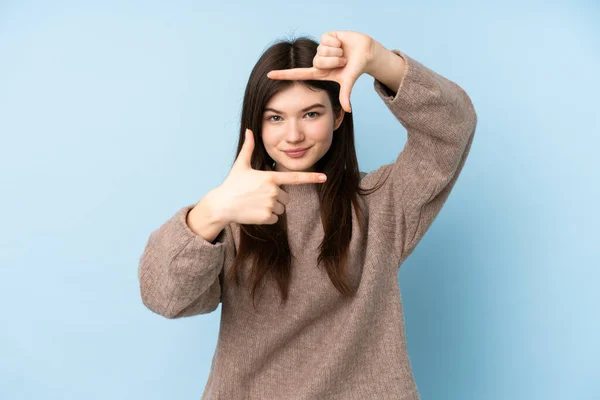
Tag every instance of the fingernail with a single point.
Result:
(322, 178)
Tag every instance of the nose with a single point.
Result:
(294, 133)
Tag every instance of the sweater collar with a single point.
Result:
(305, 189)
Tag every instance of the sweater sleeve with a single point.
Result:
(440, 121)
(181, 274)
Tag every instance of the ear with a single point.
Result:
(339, 119)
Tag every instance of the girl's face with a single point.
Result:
(295, 118)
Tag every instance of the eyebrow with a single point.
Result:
(303, 110)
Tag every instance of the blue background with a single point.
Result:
(113, 115)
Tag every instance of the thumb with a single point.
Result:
(245, 155)
(345, 90)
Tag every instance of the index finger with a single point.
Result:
(302, 74)
(297, 178)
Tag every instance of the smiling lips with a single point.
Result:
(296, 153)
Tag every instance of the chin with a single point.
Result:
(297, 166)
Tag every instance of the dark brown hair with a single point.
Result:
(267, 245)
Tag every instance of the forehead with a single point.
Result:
(296, 97)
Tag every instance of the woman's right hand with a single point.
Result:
(249, 196)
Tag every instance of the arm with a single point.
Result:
(181, 273)
(440, 121)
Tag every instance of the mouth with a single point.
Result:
(297, 153)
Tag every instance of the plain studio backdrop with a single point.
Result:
(113, 115)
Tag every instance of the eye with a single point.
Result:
(277, 116)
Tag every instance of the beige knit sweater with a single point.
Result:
(319, 345)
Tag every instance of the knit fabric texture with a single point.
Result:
(320, 345)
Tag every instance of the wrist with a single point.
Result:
(389, 68)
(379, 55)
(206, 219)
(216, 207)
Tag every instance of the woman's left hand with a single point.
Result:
(342, 56)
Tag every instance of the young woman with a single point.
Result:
(305, 269)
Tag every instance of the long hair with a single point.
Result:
(267, 245)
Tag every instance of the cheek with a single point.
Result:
(323, 134)
(321, 131)
(270, 141)
(267, 138)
